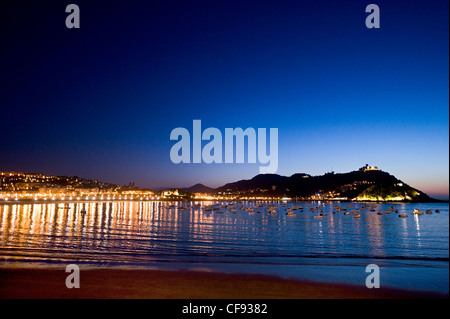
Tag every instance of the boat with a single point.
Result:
(290, 214)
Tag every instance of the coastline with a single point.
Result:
(117, 283)
(58, 201)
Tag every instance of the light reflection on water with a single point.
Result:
(147, 233)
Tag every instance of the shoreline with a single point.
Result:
(54, 201)
(119, 283)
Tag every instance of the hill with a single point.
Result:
(355, 185)
(199, 188)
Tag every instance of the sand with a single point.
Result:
(157, 284)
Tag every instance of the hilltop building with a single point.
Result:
(367, 167)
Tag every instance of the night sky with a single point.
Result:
(100, 101)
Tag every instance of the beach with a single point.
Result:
(114, 283)
(163, 250)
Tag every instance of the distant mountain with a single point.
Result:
(199, 188)
(359, 185)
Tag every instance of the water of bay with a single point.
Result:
(412, 252)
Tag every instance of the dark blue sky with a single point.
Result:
(101, 101)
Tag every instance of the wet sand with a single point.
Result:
(156, 284)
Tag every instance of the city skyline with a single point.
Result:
(368, 183)
(100, 101)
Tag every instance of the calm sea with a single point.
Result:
(412, 252)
